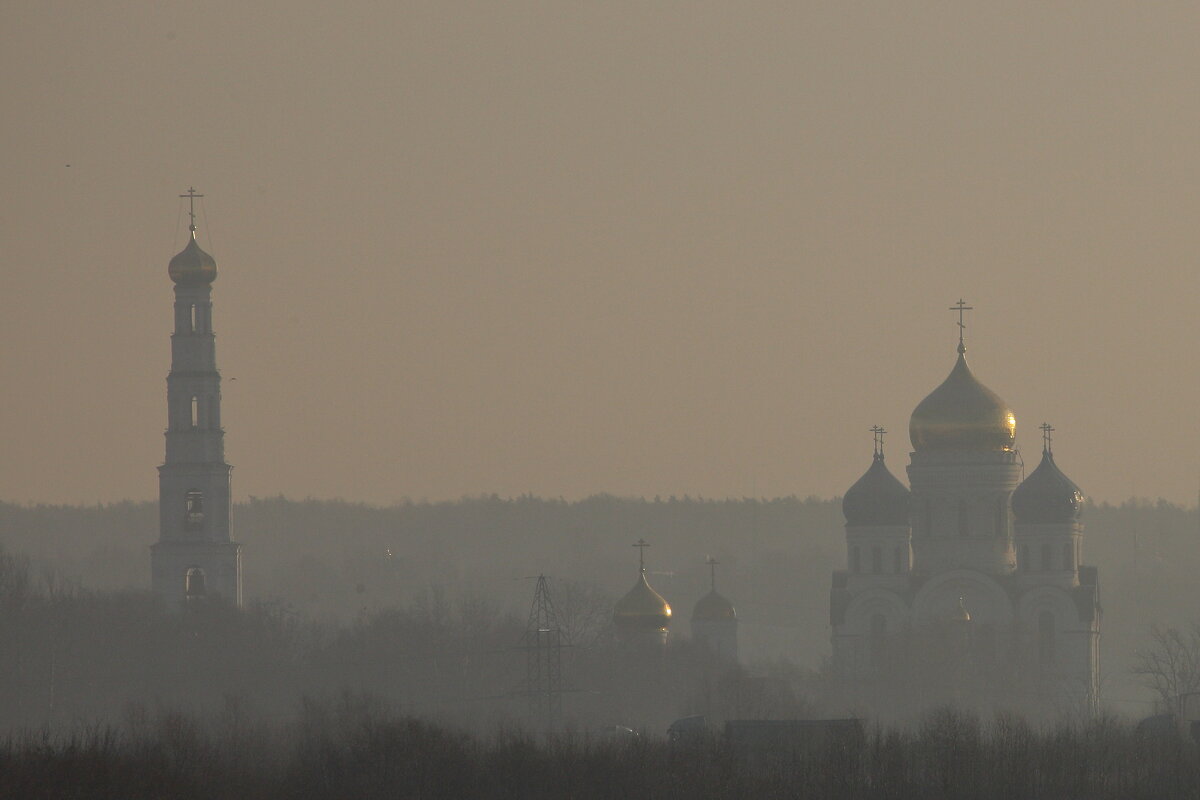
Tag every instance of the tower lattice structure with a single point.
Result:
(543, 649)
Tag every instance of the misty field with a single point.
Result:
(350, 747)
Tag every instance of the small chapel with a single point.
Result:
(968, 586)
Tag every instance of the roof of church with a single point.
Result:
(962, 414)
(192, 266)
(713, 607)
(642, 607)
(1047, 495)
(877, 498)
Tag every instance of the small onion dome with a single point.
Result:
(1047, 495)
(193, 266)
(713, 608)
(642, 609)
(962, 414)
(877, 498)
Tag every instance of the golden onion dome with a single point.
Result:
(642, 608)
(962, 414)
(192, 266)
(713, 608)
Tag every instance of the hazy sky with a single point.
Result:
(565, 248)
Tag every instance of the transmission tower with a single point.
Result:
(543, 647)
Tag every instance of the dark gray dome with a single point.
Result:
(877, 498)
(1047, 495)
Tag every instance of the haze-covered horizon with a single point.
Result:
(639, 249)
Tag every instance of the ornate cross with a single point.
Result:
(712, 571)
(878, 433)
(191, 196)
(961, 307)
(641, 545)
(1047, 429)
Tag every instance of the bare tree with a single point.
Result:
(1170, 665)
(583, 610)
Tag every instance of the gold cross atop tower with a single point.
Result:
(1047, 429)
(641, 545)
(191, 196)
(961, 307)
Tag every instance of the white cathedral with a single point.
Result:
(969, 587)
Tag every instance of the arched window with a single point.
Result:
(963, 526)
(876, 559)
(898, 561)
(1069, 556)
(878, 641)
(195, 411)
(195, 317)
(193, 584)
(855, 561)
(193, 508)
(1047, 556)
(1045, 639)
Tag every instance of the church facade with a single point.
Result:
(969, 586)
(195, 559)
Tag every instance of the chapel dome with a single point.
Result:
(713, 608)
(192, 266)
(877, 498)
(1047, 496)
(642, 608)
(962, 414)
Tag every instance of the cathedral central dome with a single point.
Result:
(962, 414)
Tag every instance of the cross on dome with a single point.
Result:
(878, 433)
(961, 307)
(641, 545)
(191, 196)
(1046, 429)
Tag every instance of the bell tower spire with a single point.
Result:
(194, 559)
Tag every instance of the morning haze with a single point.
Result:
(640, 249)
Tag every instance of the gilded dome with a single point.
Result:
(192, 266)
(1047, 495)
(877, 498)
(713, 608)
(962, 414)
(642, 608)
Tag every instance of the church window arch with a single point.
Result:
(876, 559)
(194, 318)
(1047, 558)
(193, 584)
(855, 560)
(1046, 638)
(193, 508)
(195, 411)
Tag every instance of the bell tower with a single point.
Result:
(194, 559)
